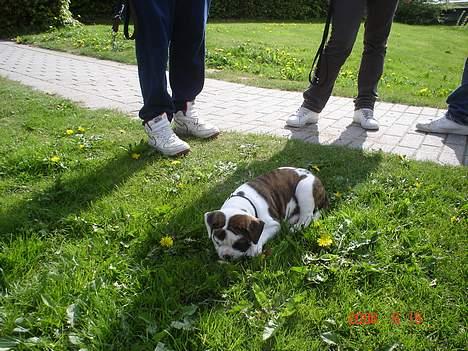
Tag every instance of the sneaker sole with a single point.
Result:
(178, 153)
(366, 128)
(181, 153)
(184, 134)
(300, 125)
(440, 131)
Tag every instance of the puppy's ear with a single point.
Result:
(214, 220)
(255, 230)
(320, 195)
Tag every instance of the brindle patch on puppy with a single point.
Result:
(283, 182)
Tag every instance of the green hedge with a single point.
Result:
(18, 15)
(418, 12)
(268, 9)
(235, 9)
(92, 9)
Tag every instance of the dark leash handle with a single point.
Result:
(123, 11)
(315, 68)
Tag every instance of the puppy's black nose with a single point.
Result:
(226, 257)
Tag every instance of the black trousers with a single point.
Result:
(346, 20)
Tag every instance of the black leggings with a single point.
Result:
(346, 20)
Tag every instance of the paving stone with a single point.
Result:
(402, 150)
(399, 108)
(407, 119)
(389, 139)
(434, 140)
(414, 109)
(428, 153)
(382, 147)
(397, 130)
(411, 141)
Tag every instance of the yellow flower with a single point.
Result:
(82, 146)
(338, 194)
(70, 132)
(81, 129)
(166, 241)
(135, 156)
(55, 159)
(175, 163)
(325, 240)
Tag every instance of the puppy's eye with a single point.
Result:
(242, 245)
(219, 234)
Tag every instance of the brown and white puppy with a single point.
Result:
(252, 214)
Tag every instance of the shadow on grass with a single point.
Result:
(190, 274)
(47, 209)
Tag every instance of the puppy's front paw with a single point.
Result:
(255, 250)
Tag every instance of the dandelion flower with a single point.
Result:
(81, 129)
(135, 156)
(175, 163)
(166, 241)
(55, 159)
(82, 146)
(70, 132)
(324, 240)
(338, 194)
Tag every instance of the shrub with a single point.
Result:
(268, 9)
(418, 12)
(92, 9)
(19, 15)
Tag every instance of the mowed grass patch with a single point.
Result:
(423, 65)
(84, 206)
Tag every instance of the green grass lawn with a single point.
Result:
(84, 205)
(424, 63)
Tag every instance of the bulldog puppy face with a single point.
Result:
(234, 233)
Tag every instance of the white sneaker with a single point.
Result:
(443, 125)
(365, 117)
(162, 137)
(302, 117)
(189, 123)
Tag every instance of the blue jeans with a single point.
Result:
(458, 101)
(171, 30)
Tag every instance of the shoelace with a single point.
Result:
(367, 114)
(300, 113)
(165, 134)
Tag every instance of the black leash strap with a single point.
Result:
(123, 12)
(241, 194)
(318, 55)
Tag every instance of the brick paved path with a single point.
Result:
(105, 84)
